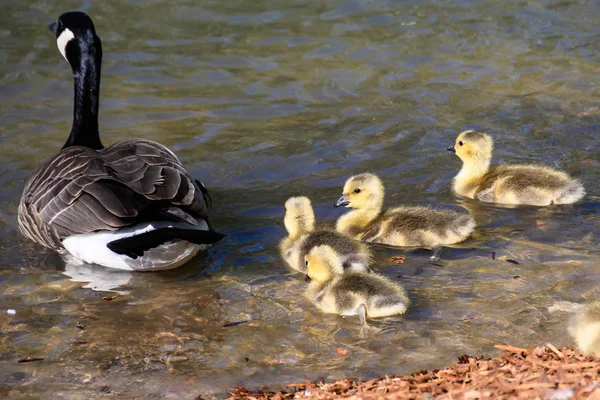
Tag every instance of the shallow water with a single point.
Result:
(266, 99)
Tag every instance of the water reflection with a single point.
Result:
(97, 278)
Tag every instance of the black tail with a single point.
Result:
(205, 194)
(135, 246)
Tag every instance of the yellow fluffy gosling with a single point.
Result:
(584, 327)
(508, 184)
(400, 226)
(350, 293)
(300, 223)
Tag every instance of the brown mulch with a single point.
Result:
(543, 373)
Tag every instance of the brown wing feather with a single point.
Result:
(82, 190)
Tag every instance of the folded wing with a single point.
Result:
(83, 190)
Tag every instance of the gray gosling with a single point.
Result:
(400, 226)
(337, 292)
(302, 237)
(508, 184)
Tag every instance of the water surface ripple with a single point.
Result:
(263, 100)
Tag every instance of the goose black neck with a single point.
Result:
(86, 76)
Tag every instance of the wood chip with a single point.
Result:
(544, 372)
(555, 350)
(512, 349)
(341, 352)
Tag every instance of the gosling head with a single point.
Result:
(77, 40)
(322, 264)
(473, 147)
(299, 216)
(362, 191)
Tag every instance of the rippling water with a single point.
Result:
(267, 99)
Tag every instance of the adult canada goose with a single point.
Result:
(300, 223)
(129, 206)
(508, 184)
(400, 226)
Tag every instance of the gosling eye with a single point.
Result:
(357, 190)
(460, 143)
(306, 262)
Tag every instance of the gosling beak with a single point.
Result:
(452, 149)
(307, 279)
(343, 201)
(52, 27)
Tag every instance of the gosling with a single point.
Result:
(584, 327)
(350, 293)
(508, 184)
(400, 226)
(300, 223)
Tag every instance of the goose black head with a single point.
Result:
(78, 43)
(76, 39)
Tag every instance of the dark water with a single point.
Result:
(263, 100)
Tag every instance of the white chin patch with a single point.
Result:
(65, 37)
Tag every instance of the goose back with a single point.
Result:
(82, 190)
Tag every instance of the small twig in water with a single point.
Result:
(512, 349)
(30, 359)
(227, 325)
